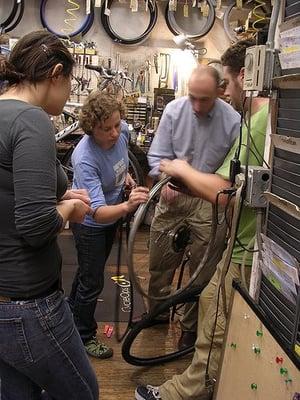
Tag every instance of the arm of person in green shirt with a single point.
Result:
(200, 184)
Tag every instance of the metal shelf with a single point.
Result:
(291, 81)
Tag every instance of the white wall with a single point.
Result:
(160, 40)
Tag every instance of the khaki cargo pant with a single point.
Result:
(163, 261)
(190, 385)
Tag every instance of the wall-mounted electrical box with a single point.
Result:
(255, 63)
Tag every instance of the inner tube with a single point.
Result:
(84, 27)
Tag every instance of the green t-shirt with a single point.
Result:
(247, 225)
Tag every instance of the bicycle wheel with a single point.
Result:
(135, 169)
(66, 160)
(172, 245)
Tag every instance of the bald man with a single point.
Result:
(200, 128)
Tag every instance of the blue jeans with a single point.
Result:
(40, 349)
(93, 248)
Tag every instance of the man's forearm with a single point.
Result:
(205, 185)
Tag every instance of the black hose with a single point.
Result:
(188, 296)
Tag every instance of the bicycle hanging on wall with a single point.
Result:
(14, 11)
(71, 21)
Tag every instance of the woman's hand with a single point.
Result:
(129, 182)
(80, 194)
(137, 196)
(73, 210)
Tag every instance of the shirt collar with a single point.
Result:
(211, 112)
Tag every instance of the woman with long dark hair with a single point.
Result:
(40, 348)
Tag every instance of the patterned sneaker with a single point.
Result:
(147, 393)
(97, 349)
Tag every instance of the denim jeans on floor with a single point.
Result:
(93, 247)
(40, 348)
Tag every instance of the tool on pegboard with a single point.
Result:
(164, 70)
(155, 61)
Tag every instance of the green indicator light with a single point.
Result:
(253, 386)
(283, 371)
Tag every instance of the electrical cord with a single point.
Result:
(253, 142)
(225, 268)
(231, 193)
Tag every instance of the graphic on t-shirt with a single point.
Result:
(120, 170)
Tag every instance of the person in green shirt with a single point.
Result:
(191, 384)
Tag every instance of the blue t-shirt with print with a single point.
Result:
(101, 172)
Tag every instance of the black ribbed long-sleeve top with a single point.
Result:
(31, 181)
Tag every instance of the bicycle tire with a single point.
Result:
(182, 298)
(11, 16)
(83, 29)
(138, 220)
(233, 38)
(176, 30)
(135, 169)
(117, 38)
(14, 17)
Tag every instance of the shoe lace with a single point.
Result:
(154, 391)
(97, 346)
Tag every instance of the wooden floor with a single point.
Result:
(118, 379)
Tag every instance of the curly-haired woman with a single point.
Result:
(100, 163)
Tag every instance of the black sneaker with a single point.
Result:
(147, 393)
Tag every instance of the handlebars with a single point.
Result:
(107, 73)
